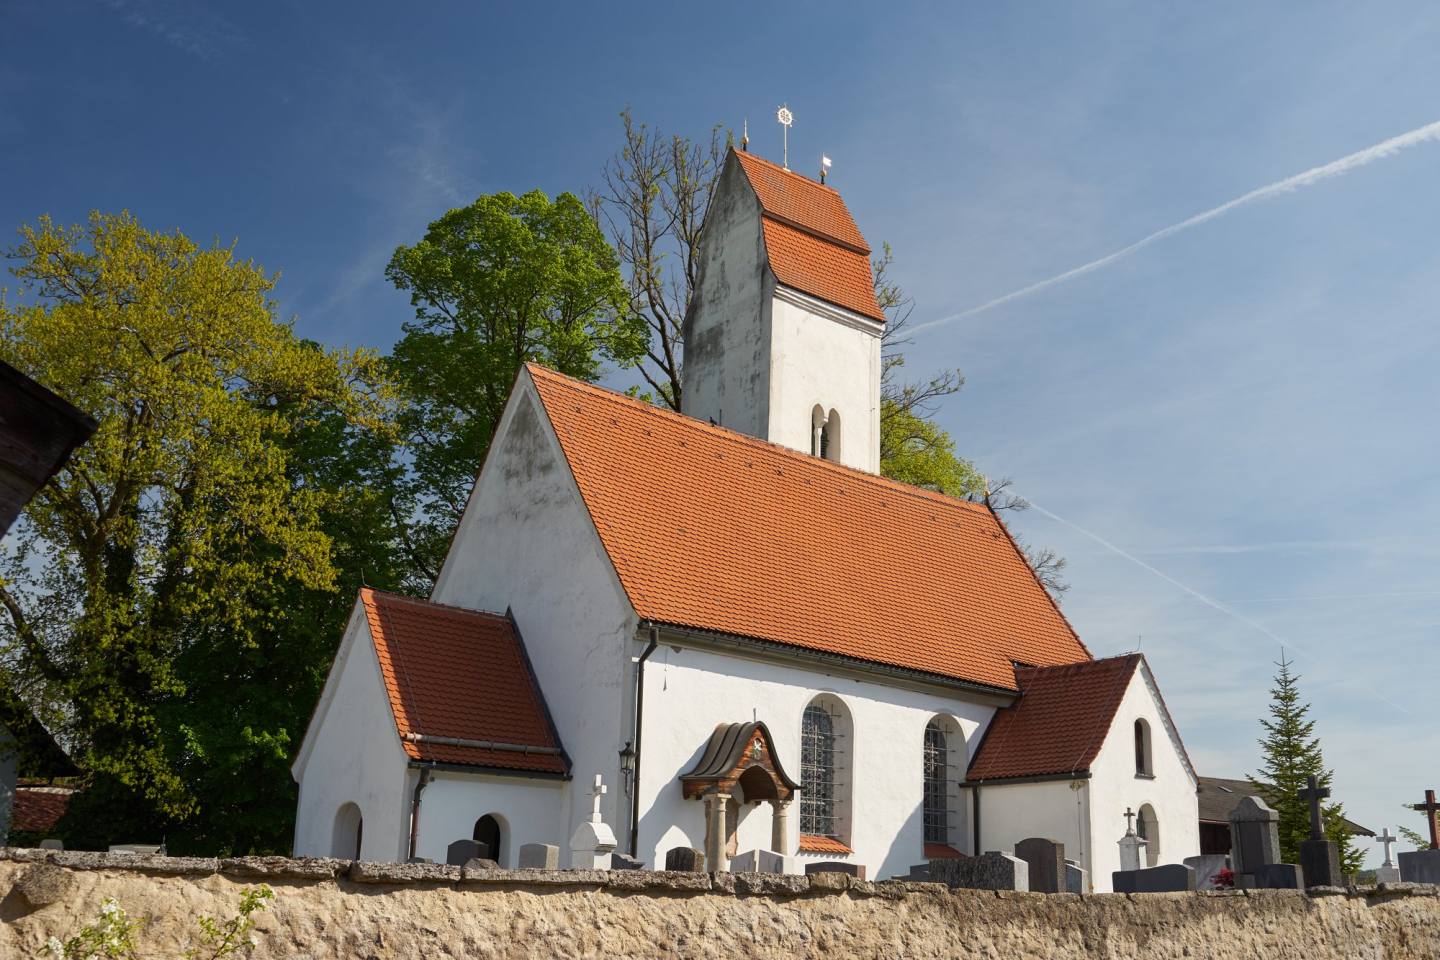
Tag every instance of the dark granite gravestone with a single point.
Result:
(1319, 858)
(1167, 878)
(1254, 837)
(989, 871)
(462, 852)
(1419, 866)
(1046, 860)
(687, 859)
(618, 861)
(856, 870)
(919, 872)
(1280, 876)
(1074, 877)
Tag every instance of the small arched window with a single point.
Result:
(937, 784)
(487, 831)
(348, 833)
(1143, 767)
(1148, 827)
(818, 438)
(831, 437)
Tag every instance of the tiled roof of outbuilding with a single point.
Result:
(712, 529)
(461, 675)
(811, 239)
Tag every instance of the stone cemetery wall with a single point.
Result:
(333, 909)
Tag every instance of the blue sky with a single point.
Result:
(1242, 406)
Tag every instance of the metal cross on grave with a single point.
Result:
(1312, 795)
(1129, 822)
(1430, 808)
(1386, 838)
(599, 791)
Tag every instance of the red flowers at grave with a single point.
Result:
(1224, 879)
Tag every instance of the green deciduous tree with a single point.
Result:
(148, 586)
(1292, 753)
(500, 282)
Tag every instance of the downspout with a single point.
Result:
(639, 715)
(420, 785)
(975, 819)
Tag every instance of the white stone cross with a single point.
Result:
(599, 791)
(1388, 840)
(1129, 825)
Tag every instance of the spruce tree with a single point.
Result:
(1292, 754)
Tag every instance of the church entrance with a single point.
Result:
(738, 766)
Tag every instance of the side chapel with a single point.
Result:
(756, 640)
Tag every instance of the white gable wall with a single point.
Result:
(527, 543)
(528, 810)
(689, 691)
(352, 754)
(1054, 809)
(1115, 785)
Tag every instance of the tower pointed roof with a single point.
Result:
(811, 240)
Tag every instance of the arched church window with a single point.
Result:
(1143, 766)
(824, 758)
(1148, 827)
(818, 439)
(831, 437)
(487, 831)
(348, 832)
(937, 784)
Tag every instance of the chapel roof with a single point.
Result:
(811, 240)
(1059, 723)
(714, 530)
(458, 679)
(38, 809)
(1219, 795)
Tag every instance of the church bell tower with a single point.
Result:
(782, 340)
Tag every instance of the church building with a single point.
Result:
(756, 641)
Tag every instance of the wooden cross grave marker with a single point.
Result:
(1313, 794)
(1430, 808)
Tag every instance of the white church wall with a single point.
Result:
(689, 691)
(352, 754)
(527, 542)
(528, 811)
(727, 334)
(1170, 792)
(1054, 809)
(823, 355)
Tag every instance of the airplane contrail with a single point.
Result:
(1386, 148)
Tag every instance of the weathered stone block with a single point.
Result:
(1280, 876)
(1320, 859)
(44, 883)
(368, 871)
(618, 861)
(686, 859)
(307, 868)
(462, 852)
(539, 856)
(1046, 860)
(989, 871)
(837, 866)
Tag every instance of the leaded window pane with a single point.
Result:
(817, 773)
(937, 821)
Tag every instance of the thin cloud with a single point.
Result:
(1361, 158)
(188, 27)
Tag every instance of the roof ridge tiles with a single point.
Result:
(432, 604)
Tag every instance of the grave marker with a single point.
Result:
(1387, 872)
(687, 859)
(1319, 858)
(1046, 861)
(990, 871)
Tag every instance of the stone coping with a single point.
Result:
(660, 882)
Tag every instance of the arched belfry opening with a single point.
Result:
(738, 765)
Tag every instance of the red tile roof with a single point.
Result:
(711, 529)
(814, 843)
(1059, 723)
(461, 675)
(811, 239)
(38, 809)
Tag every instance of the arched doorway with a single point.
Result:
(348, 832)
(1148, 828)
(488, 831)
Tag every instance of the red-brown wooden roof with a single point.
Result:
(460, 674)
(712, 529)
(38, 809)
(811, 239)
(1059, 723)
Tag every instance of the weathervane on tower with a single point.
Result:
(786, 118)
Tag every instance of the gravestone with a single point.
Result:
(1046, 860)
(1387, 872)
(462, 852)
(1168, 878)
(138, 849)
(1319, 858)
(1254, 836)
(989, 871)
(687, 859)
(1074, 877)
(856, 870)
(539, 856)
(618, 861)
(52, 843)
(757, 861)
(919, 872)
(1420, 866)
(1431, 809)
(593, 841)
(1132, 847)
(1279, 876)
(1206, 866)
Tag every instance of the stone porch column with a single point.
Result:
(715, 835)
(780, 826)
